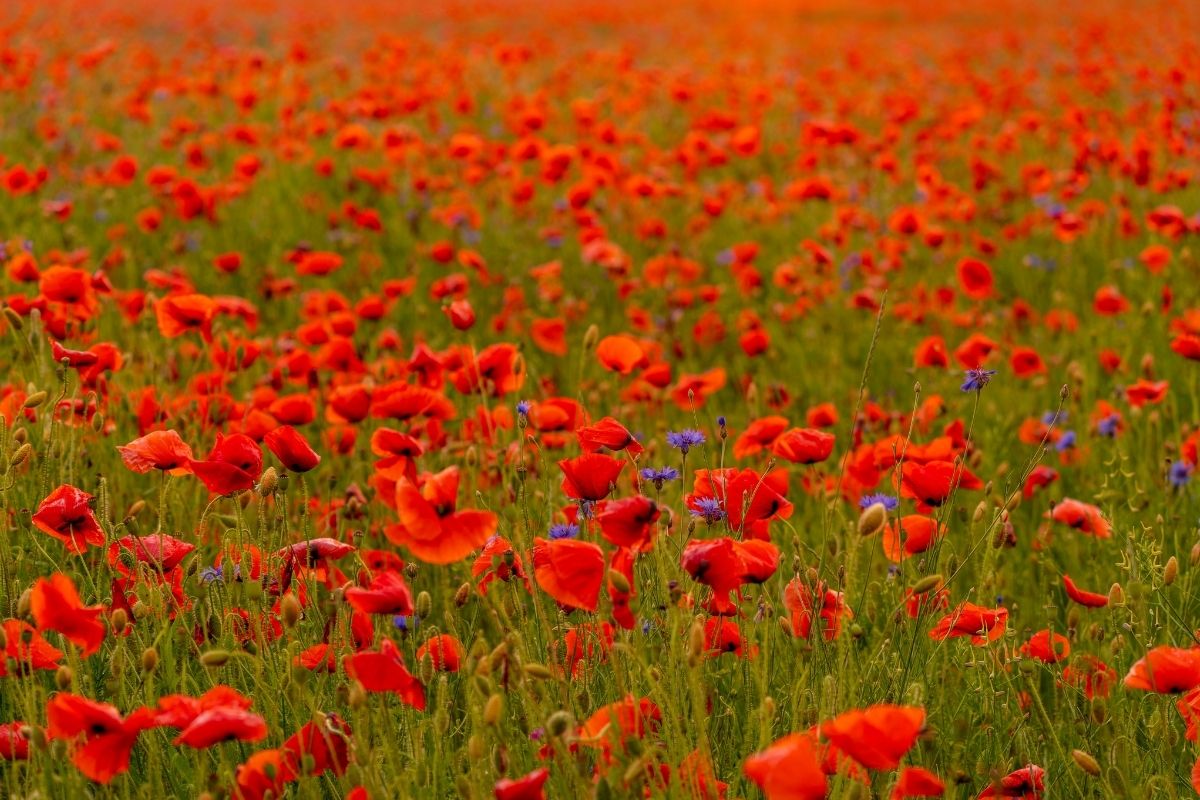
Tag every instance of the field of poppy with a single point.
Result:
(563, 399)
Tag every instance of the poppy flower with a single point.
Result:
(1039, 477)
(747, 500)
(917, 782)
(829, 606)
(314, 551)
(445, 651)
(222, 724)
(26, 649)
(934, 482)
(498, 561)
(526, 787)
(610, 435)
(460, 313)
(790, 769)
(292, 450)
(265, 774)
(384, 671)
(569, 570)
(103, 740)
(430, 525)
(181, 710)
(1166, 670)
(1093, 675)
(1083, 517)
(590, 476)
(983, 625)
(1084, 598)
(628, 522)
(621, 354)
(615, 723)
(910, 535)
(804, 445)
(1144, 392)
(180, 313)
(878, 736)
(975, 278)
(759, 435)
(724, 564)
(1027, 783)
(322, 745)
(66, 514)
(386, 594)
(56, 606)
(161, 450)
(162, 552)
(233, 465)
(1047, 647)
(14, 744)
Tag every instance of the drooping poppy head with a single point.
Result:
(161, 450)
(292, 449)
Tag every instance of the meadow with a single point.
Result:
(567, 399)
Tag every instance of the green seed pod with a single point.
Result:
(63, 678)
(35, 400)
(149, 659)
(424, 605)
(23, 454)
(927, 584)
(872, 520)
(1170, 571)
(559, 723)
(538, 671)
(493, 710)
(214, 658)
(1086, 762)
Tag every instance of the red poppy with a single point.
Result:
(983, 625)
(26, 649)
(590, 476)
(1089, 599)
(179, 313)
(66, 514)
(725, 564)
(445, 651)
(292, 450)
(56, 606)
(804, 445)
(430, 525)
(1039, 477)
(1047, 647)
(526, 787)
(878, 736)
(790, 769)
(161, 450)
(264, 774)
(917, 782)
(1145, 392)
(831, 608)
(224, 723)
(621, 354)
(233, 465)
(610, 435)
(323, 745)
(384, 671)
(628, 522)
(1167, 670)
(748, 500)
(1026, 783)
(569, 570)
(14, 744)
(975, 278)
(102, 739)
(386, 594)
(1084, 517)
(910, 535)
(758, 436)
(933, 483)
(498, 561)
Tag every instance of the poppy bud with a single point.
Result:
(538, 671)
(461, 314)
(1086, 762)
(14, 318)
(64, 677)
(475, 747)
(268, 482)
(35, 400)
(97, 422)
(462, 595)
(559, 723)
(22, 455)
(926, 584)
(695, 643)
(149, 659)
(425, 668)
(591, 337)
(424, 605)
(619, 581)
(500, 759)
(214, 658)
(20, 435)
(357, 696)
(290, 610)
(872, 519)
(1116, 595)
(1195, 556)
(1170, 571)
(23, 603)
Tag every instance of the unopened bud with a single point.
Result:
(872, 519)
(1086, 762)
(926, 584)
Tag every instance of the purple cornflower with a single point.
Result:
(1109, 426)
(709, 509)
(1180, 474)
(523, 408)
(1065, 442)
(210, 574)
(886, 500)
(685, 440)
(977, 379)
(659, 475)
(406, 624)
(1054, 417)
(567, 531)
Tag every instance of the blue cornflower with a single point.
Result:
(888, 502)
(1065, 442)
(685, 440)
(659, 475)
(1109, 426)
(1180, 474)
(567, 531)
(210, 574)
(1054, 417)
(977, 379)
(406, 624)
(523, 408)
(709, 509)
